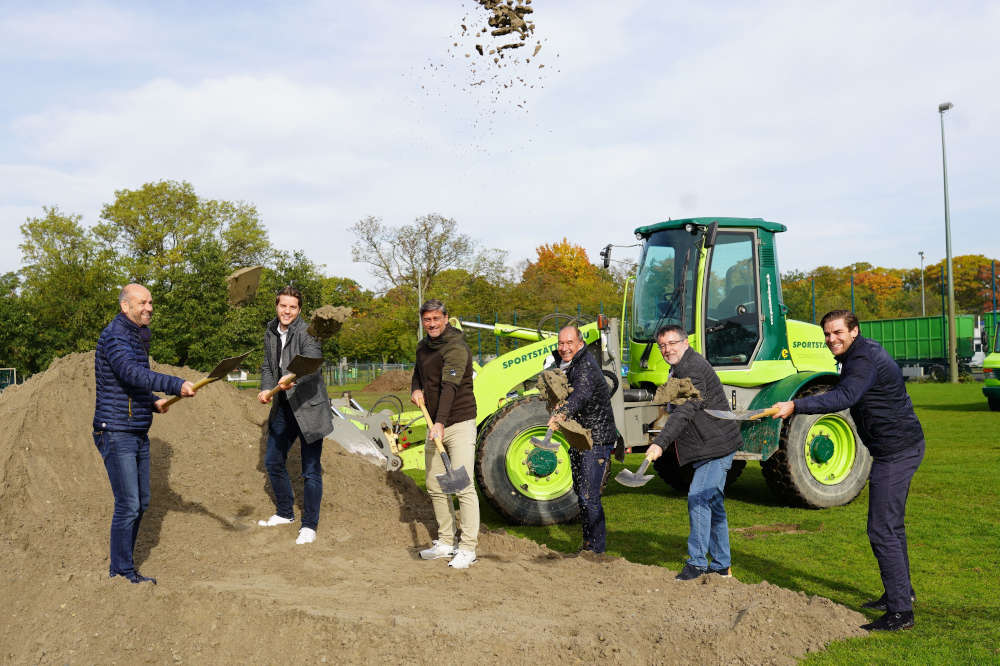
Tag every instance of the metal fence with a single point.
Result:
(8, 376)
(359, 373)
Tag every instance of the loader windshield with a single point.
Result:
(662, 294)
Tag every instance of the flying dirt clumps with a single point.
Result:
(506, 17)
(242, 285)
(676, 391)
(554, 387)
(325, 322)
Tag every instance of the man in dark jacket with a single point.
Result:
(589, 404)
(442, 380)
(708, 444)
(123, 414)
(299, 411)
(872, 386)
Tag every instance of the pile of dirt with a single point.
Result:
(231, 592)
(391, 381)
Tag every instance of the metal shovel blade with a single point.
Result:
(453, 480)
(546, 443)
(298, 367)
(634, 479)
(751, 415)
(303, 365)
(224, 367)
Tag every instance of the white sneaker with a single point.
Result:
(274, 520)
(463, 558)
(306, 535)
(437, 550)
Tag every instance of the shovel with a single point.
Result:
(453, 480)
(546, 443)
(300, 365)
(224, 368)
(752, 415)
(635, 479)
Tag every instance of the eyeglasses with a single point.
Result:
(668, 343)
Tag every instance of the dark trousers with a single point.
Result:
(282, 432)
(589, 469)
(126, 458)
(888, 488)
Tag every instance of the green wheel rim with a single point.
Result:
(830, 428)
(556, 484)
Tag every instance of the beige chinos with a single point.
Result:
(460, 442)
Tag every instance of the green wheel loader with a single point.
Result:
(718, 278)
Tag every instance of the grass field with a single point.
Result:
(953, 528)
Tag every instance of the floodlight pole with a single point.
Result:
(952, 336)
(923, 301)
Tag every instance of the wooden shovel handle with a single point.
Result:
(290, 377)
(197, 385)
(770, 411)
(430, 424)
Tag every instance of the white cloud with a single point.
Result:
(819, 117)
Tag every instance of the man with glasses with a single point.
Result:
(708, 445)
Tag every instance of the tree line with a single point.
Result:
(182, 247)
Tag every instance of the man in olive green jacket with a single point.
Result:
(442, 379)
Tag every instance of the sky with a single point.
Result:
(820, 116)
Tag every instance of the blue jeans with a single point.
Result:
(282, 432)
(126, 457)
(589, 468)
(707, 515)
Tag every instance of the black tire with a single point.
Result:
(787, 471)
(679, 478)
(612, 380)
(994, 403)
(507, 434)
(938, 372)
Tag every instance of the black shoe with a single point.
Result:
(689, 572)
(136, 577)
(891, 622)
(881, 604)
(725, 573)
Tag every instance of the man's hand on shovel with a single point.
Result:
(284, 384)
(187, 390)
(453, 480)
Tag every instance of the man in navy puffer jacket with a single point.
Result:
(871, 385)
(123, 415)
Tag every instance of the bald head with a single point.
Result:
(136, 303)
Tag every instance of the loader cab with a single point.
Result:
(721, 284)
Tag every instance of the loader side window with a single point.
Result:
(732, 324)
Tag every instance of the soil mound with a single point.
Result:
(391, 381)
(231, 592)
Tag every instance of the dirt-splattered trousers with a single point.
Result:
(589, 469)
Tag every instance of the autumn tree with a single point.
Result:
(562, 277)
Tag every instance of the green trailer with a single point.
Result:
(920, 344)
(991, 364)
